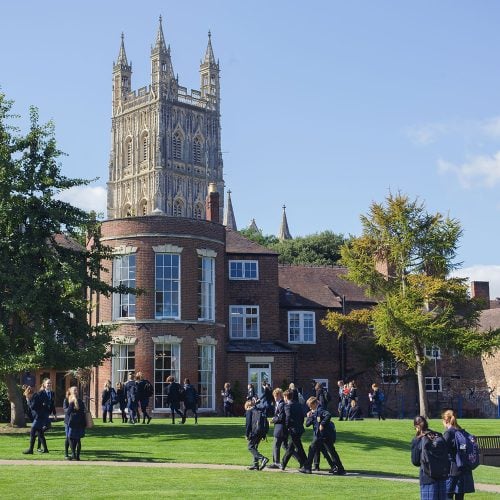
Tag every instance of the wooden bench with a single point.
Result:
(489, 450)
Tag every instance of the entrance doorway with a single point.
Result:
(258, 373)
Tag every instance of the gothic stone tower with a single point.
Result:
(165, 143)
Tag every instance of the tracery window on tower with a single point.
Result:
(128, 148)
(177, 146)
(145, 146)
(127, 211)
(197, 150)
(198, 211)
(178, 208)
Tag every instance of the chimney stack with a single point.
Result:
(481, 290)
(212, 203)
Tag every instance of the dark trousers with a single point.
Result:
(144, 409)
(42, 443)
(132, 411)
(279, 441)
(105, 411)
(252, 448)
(173, 411)
(195, 413)
(316, 447)
(294, 448)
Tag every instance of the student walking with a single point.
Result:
(227, 400)
(432, 481)
(122, 401)
(190, 400)
(144, 392)
(279, 432)
(108, 400)
(131, 395)
(254, 435)
(174, 398)
(460, 480)
(294, 425)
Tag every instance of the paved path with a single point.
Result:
(491, 488)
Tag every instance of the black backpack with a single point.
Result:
(260, 424)
(147, 389)
(467, 457)
(434, 456)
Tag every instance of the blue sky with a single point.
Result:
(326, 106)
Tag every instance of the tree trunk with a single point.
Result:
(17, 417)
(422, 395)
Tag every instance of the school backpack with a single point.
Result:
(467, 456)
(147, 389)
(260, 424)
(381, 396)
(434, 456)
(327, 396)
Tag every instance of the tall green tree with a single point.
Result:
(403, 258)
(45, 275)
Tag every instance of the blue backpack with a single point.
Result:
(467, 457)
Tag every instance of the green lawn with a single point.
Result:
(368, 446)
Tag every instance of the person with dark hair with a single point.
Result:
(430, 488)
(378, 398)
(251, 394)
(41, 405)
(294, 426)
(253, 412)
(460, 480)
(174, 398)
(131, 395)
(66, 426)
(355, 412)
(227, 400)
(190, 400)
(122, 401)
(266, 399)
(279, 432)
(144, 392)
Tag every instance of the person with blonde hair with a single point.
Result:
(279, 432)
(108, 400)
(76, 422)
(460, 480)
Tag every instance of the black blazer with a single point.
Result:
(294, 418)
(279, 419)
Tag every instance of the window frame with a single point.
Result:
(429, 352)
(207, 399)
(115, 359)
(175, 370)
(206, 289)
(390, 372)
(430, 384)
(245, 316)
(301, 315)
(118, 298)
(244, 276)
(164, 290)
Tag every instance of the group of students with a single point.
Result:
(445, 460)
(41, 405)
(288, 419)
(135, 395)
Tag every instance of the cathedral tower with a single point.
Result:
(165, 142)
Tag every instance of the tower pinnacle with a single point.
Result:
(229, 219)
(209, 53)
(122, 56)
(284, 232)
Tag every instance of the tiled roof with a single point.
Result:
(490, 318)
(66, 241)
(252, 346)
(302, 286)
(235, 243)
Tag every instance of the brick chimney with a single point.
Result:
(212, 203)
(481, 290)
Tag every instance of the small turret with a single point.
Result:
(122, 77)
(229, 219)
(284, 233)
(209, 74)
(162, 72)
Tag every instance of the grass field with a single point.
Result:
(366, 447)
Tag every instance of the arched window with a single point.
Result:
(144, 207)
(197, 150)
(177, 146)
(145, 146)
(127, 211)
(178, 209)
(198, 211)
(129, 152)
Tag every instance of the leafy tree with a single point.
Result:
(45, 275)
(319, 249)
(403, 257)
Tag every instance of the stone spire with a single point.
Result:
(229, 219)
(284, 233)
(162, 71)
(209, 54)
(253, 226)
(160, 39)
(122, 56)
